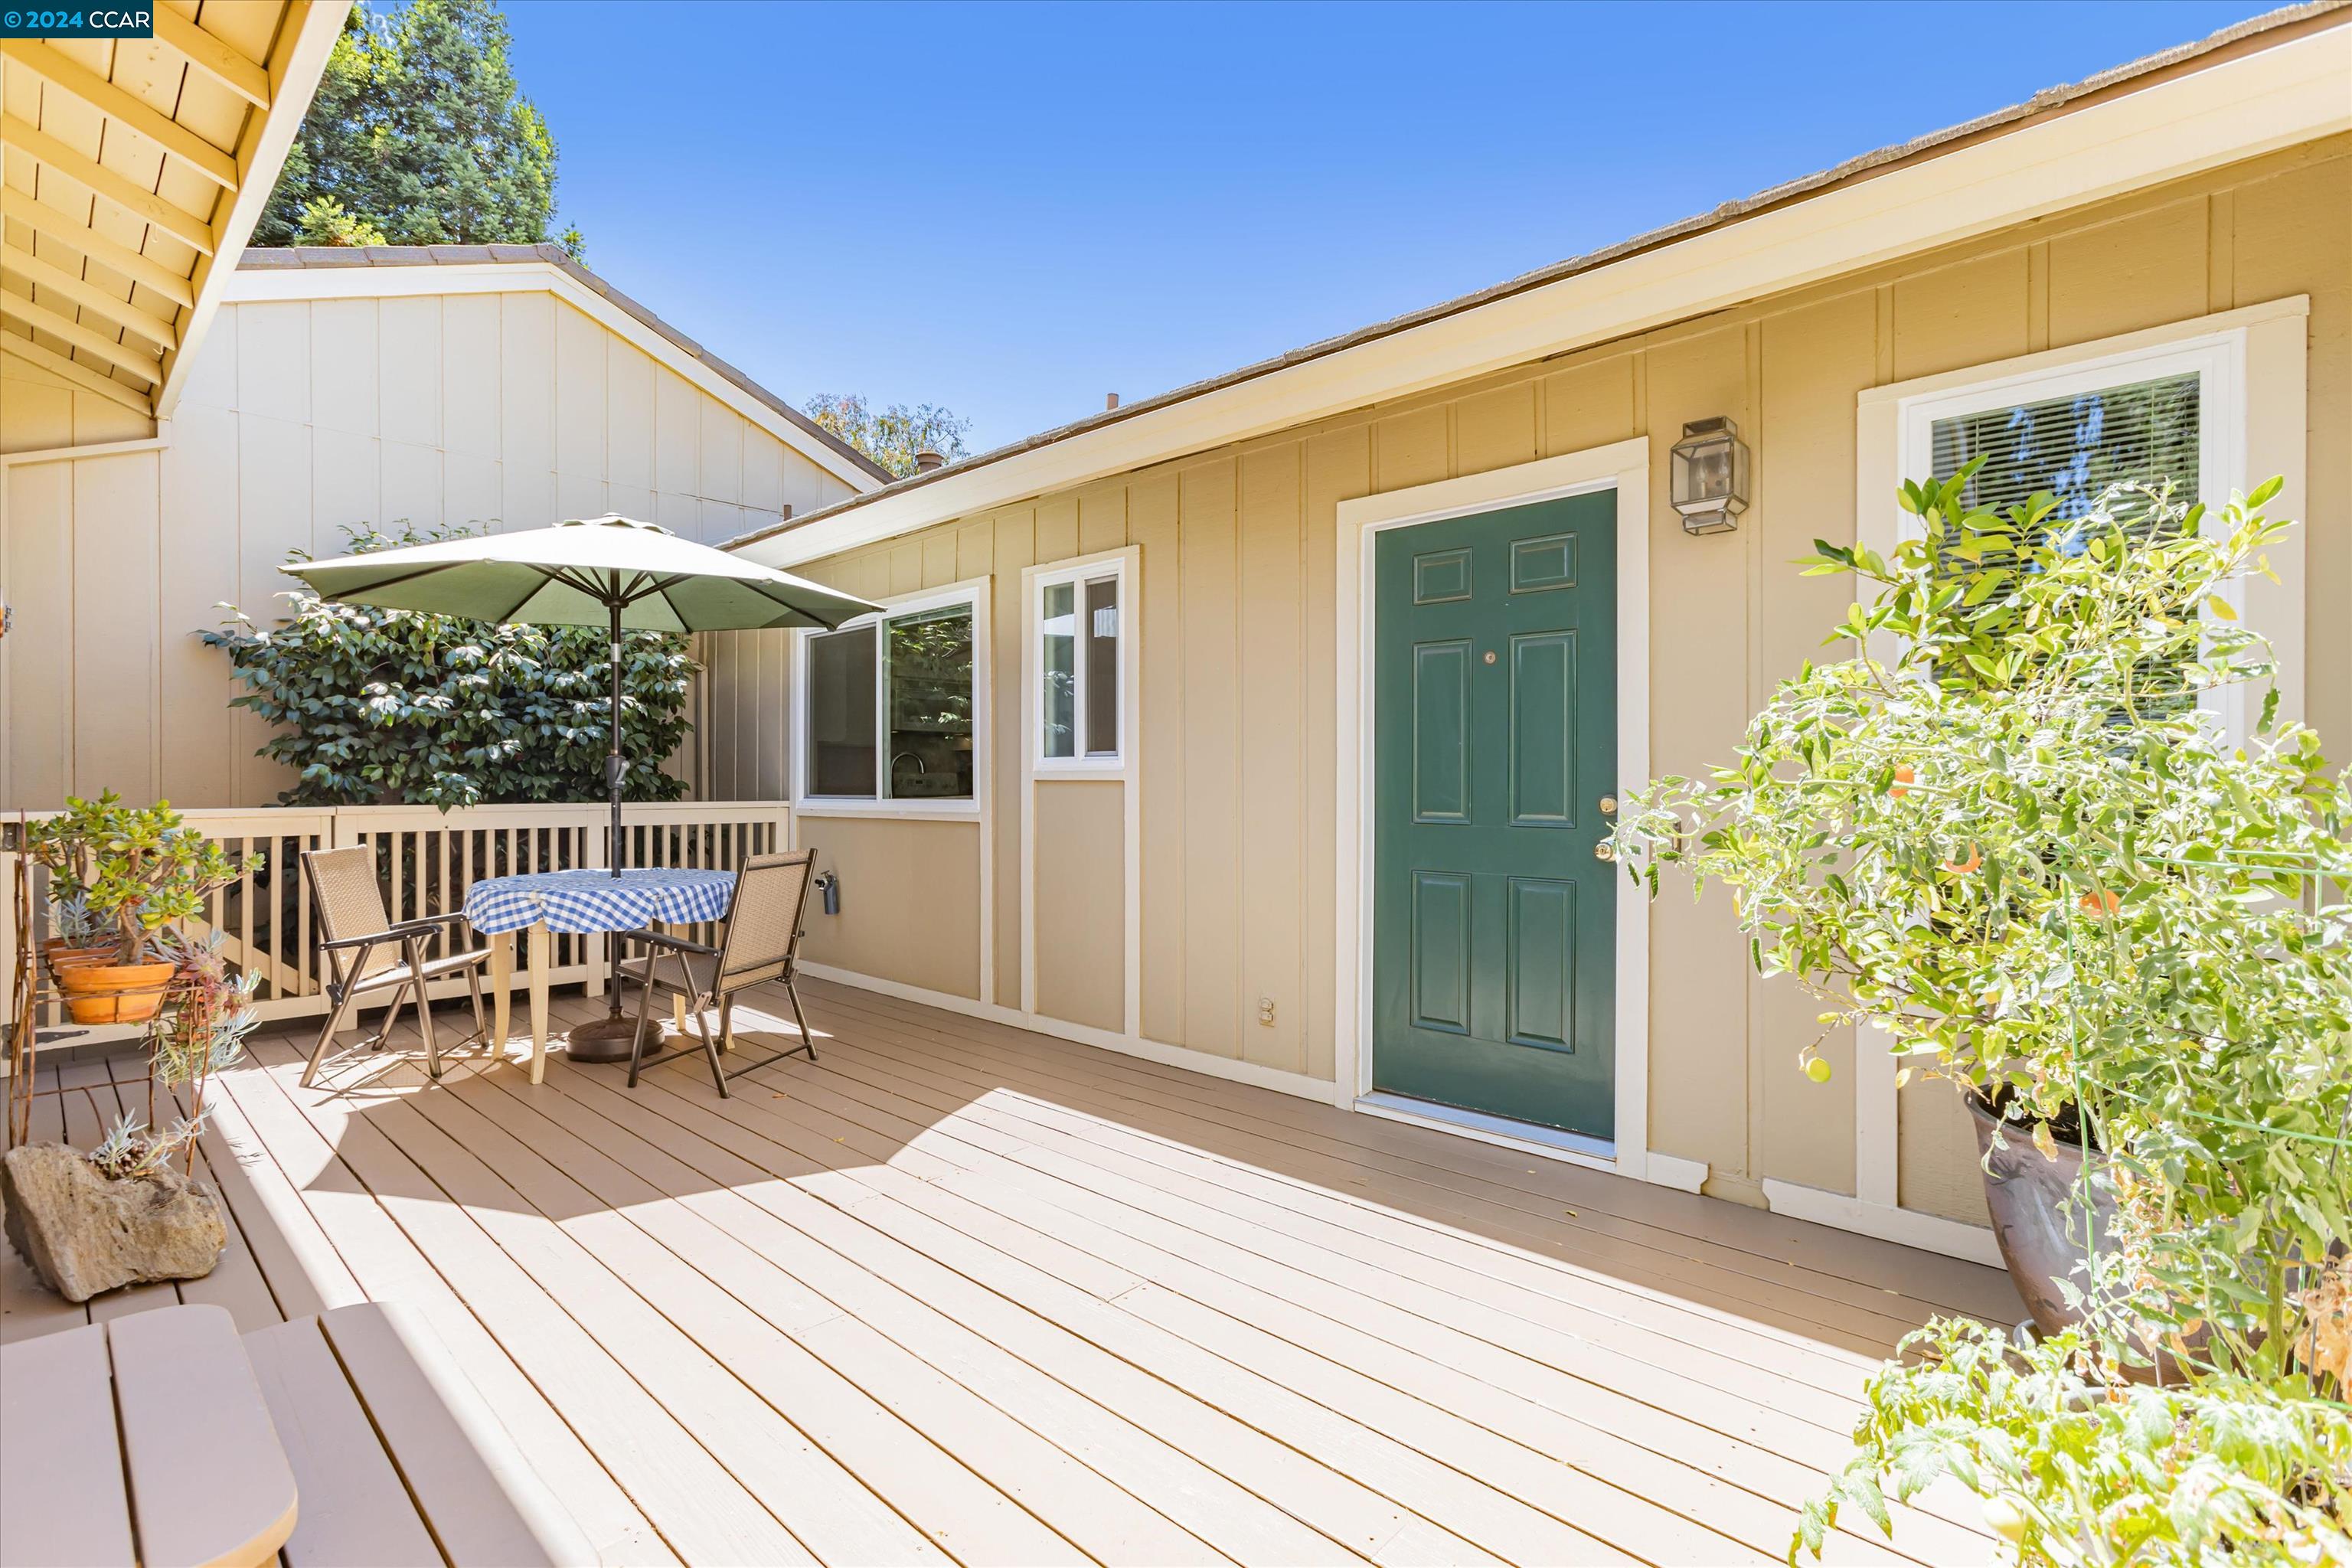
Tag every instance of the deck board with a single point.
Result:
(1186, 1459)
(1760, 1466)
(702, 1511)
(1479, 1514)
(961, 1292)
(236, 1283)
(386, 1265)
(1739, 1254)
(1148, 1139)
(939, 1219)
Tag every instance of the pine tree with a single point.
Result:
(418, 135)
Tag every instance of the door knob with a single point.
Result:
(1608, 806)
(1604, 850)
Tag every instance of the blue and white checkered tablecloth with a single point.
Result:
(592, 900)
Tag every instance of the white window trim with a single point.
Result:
(971, 592)
(2252, 365)
(1077, 575)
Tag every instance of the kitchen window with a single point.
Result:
(889, 708)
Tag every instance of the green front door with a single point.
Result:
(1495, 670)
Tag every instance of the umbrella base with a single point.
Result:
(607, 1040)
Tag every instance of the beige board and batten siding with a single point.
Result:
(304, 418)
(1078, 903)
(1236, 596)
(930, 941)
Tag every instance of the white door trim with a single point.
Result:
(1623, 467)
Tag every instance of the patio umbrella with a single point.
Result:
(605, 570)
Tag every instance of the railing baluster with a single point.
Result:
(311, 985)
(247, 894)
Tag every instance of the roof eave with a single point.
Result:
(2269, 82)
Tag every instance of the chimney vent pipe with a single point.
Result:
(925, 460)
(1110, 401)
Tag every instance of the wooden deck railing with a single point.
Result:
(425, 860)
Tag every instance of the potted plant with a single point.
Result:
(137, 871)
(212, 1013)
(116, 1214)
(2010, 837)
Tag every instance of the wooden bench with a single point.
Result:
(341, 1441)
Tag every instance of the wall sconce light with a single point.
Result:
(1710, 475)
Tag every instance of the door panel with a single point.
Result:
(1441, 952)
(1543, 729)
(1440, 576)
(1495, 735)
(1540, 565)
(1441, 733)
(1539, 982)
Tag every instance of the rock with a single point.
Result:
(85, 1233)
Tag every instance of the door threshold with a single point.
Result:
(1526, 1136)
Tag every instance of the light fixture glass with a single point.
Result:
(1710, 475)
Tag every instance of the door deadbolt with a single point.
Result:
(1604, 850)
(1490, 656)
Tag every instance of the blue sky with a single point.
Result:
(1012, 210)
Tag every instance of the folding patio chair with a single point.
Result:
(758, 942)
(367, 953)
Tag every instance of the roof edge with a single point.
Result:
(2286, 22)
(273, 258)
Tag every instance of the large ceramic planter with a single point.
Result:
(2040, 1228)
(2035, 1220)
(113, 993)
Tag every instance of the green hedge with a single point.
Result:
(383, 707)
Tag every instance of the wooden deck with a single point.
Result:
(962, 1293)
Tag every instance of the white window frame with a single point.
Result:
(2250, 368)
(1077, 575)
(971, 595)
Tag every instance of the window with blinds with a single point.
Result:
(2074, 448)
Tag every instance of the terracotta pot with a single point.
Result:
(113, 993)
(61, 956)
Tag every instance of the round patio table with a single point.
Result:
(580, 902)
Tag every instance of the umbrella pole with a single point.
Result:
(609, 1041)
(614, 769)
(614, 766)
